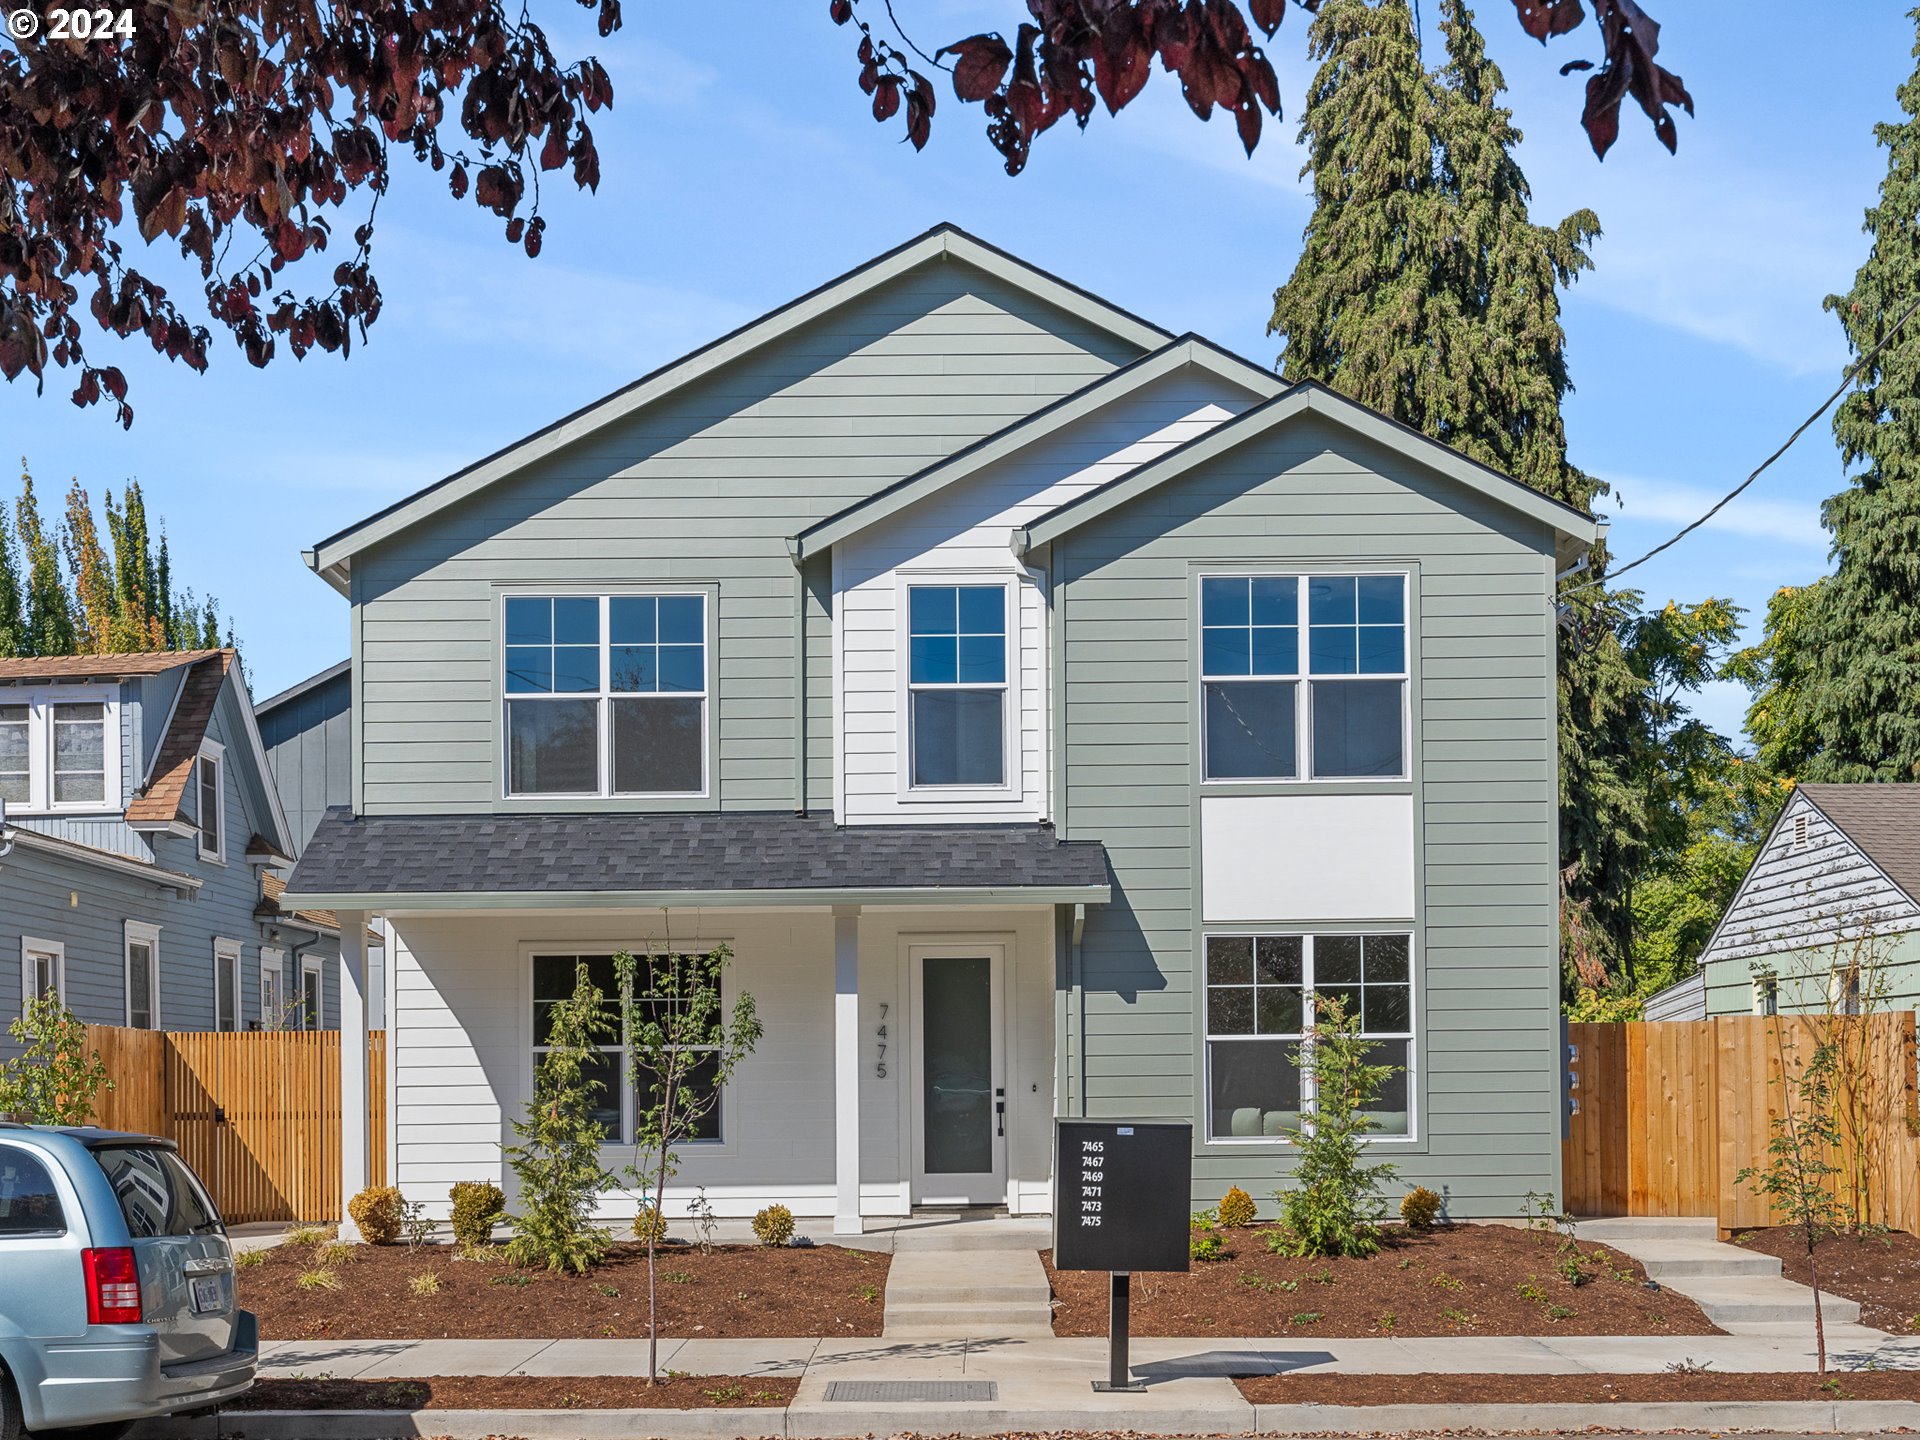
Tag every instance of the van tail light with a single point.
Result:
(113, 1286)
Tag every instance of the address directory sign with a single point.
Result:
(1125, 1194)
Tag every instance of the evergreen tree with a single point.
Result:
(136, 624)
(164, 604)
(1836, 677)
(50, 629)
(13, 616)
(1425, 291)
(93, 610)
(210, 626)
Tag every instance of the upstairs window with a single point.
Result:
(80, 754)
(606, 695)
(16, 768)
(59, 748)
(207, 798)
(1303, 676)
(957, 685)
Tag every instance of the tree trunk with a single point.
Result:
(1819, 1321)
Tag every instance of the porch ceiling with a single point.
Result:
(616, 860)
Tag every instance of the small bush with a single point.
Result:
(1420, 1208)
(426, 1284)
(1204, 1241)
(1236, 1208)
(379, 1211)
(477, 1208)
(650, 1225)
(773, 1225)
(319, 1278)
(332, 1255)
(248, 1259)
(309, 1235)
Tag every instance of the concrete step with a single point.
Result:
(1008, 1295)
(1754, 1300)
(1674, 1259)
(1637, 1228)
(952, 1295)
(971, 1236)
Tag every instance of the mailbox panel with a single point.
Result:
(1124, 1188)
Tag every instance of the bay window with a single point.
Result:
(1260, 996)
(1303, 676)
(957, 685)
(606, 695)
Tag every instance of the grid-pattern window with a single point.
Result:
(16, 775)
(209, 803)
(606, 695)
(1303, 676)
(1260, 994)
(616, 1103)
(80, 754)
(957, 684)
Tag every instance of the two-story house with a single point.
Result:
(143, 847)
(1042, 707)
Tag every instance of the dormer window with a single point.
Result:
(59, 748)
(207, 797)
(957, 685)
(16, 766)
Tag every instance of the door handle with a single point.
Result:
(206, 1267)
(1000, 1113)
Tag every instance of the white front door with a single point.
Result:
(959, 1074)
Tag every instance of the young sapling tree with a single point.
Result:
(54, 1080)
(1337, 1200)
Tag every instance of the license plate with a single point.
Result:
(206, 1294)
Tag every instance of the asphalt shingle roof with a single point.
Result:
(1883, 820)
(731, 851)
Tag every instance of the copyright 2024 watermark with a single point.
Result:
(62, 23)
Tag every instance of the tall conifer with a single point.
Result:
(13, 613)
(50, 629)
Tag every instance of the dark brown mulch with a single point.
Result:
(520, 1392)
(730, 1292)
(1456, 1280)
(1882, 1272)
(1574, 1389)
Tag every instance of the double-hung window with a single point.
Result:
(207, 799)
(226, 984)
(16, 764)
(1303, 676)
(42, 963)
(615, 1103)
(143, 975)
(957, 685)
(606, 695)
(59, 748)
(1260, 996)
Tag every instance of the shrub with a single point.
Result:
(1420, 1208)
(425, 1284)
(248, 1259)
(773, 1225)
(309, 1235)
(1204, 1240)
(1335, 1205)
(649, 1225)
(477, 1208)
(379, 1211)
(318, 1279)
(1236, 1208)
(54, 1079)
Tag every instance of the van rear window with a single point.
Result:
(157, 1192)
(29, 1205)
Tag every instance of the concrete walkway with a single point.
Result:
(1739, 1290)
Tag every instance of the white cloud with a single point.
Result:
(1792, 522)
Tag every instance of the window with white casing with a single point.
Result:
(606, 695)
(1303, 676)
(16, 751)
(226, 984)
(211, 806)
(273, 988)
(143, 975)
(313, 997)
(43, 965)
(554, 978)
(957, 686)
(1260, 991)
(59, 749)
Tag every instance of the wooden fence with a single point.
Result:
(1670, 1112)
(257, 1114)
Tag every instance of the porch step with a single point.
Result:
(954, 1294)
(1742, 1300)
(1739, 1290)
(1675, 1259)
(929, 1233)
(1623, 1231)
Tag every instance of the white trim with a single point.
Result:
(311, 965)
(32, 948)
(139, 932)
(998, 949)
(1012, 751)
(41, 700)
(105, 859)
(214, 751)
(227, 953)
(918, 896)
(273, 961)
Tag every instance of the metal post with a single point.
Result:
(1119, 1372)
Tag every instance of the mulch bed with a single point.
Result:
(1882, 1272)
(1455, 1280)
(730, 1292)
(1574, 1389)
(520, 1392)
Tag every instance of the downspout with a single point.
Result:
(1077, 1015)
(799, 677)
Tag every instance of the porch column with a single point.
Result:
(846, 1070)
(353, 1065)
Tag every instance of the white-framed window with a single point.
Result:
(226, 984)
(1843, 989)
(313, 996)
(43, 968)
(1303, 676)
(273, 988)
(143, 975)
(1766, 994)
(60, 748)
(1259, 996)
(209, 802)
(605, 694)
(553, 979)
(959, 689)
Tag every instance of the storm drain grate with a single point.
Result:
(896, 1392)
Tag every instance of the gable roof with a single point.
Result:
(332, 558)
(99, 667)
(158, 801)
(299, 688)
(1188, 349)
(1883, 820)
(1575, 528)
(272, 907)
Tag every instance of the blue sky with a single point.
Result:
(740, 168)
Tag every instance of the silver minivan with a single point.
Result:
(116, 1285)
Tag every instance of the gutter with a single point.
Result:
(402, 902)
(103, 859)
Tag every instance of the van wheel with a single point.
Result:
(113, 1430)
(10, 1426)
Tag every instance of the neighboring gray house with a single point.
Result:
(1829, 913)
(1040, 705)
(142, 838)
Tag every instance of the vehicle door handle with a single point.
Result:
(206, 1267)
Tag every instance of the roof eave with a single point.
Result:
(403, 902)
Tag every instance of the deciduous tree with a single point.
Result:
(50, 628)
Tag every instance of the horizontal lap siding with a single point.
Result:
(703, 487)
(1484, 738)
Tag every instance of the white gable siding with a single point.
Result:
(965, 533)
(1801, 895)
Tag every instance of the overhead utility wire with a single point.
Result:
(1805, 425)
